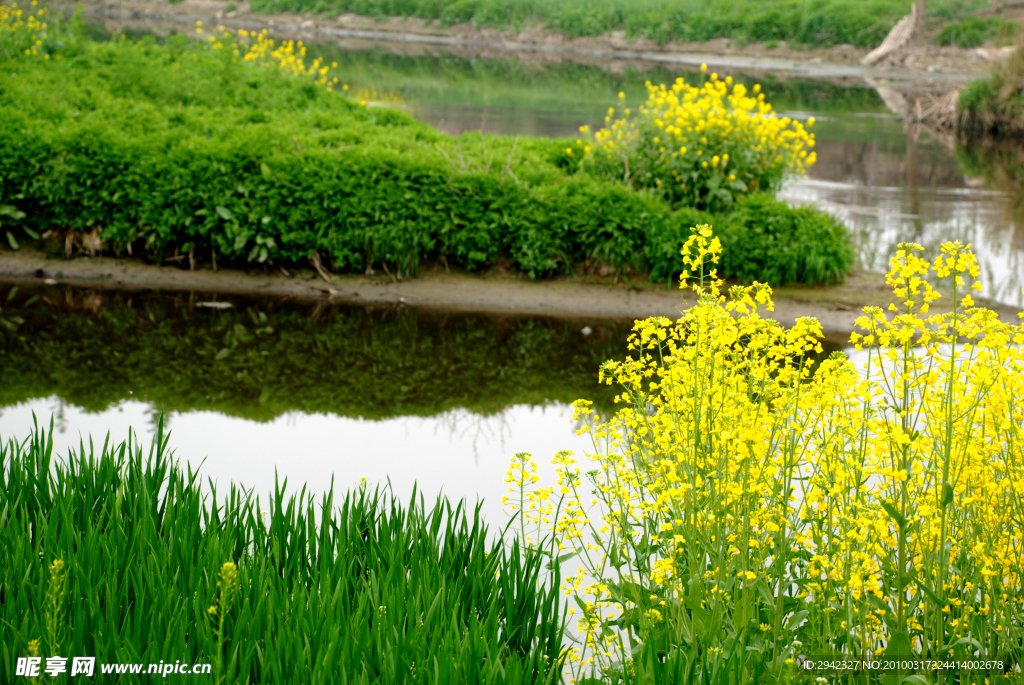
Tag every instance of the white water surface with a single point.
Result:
(457, 453)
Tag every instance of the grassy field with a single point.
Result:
(800, 22)
(119, 555)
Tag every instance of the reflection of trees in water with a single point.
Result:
(463, 426)
(262, 359)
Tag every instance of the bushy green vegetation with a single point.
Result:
(783, 245)
(813, 22)
(182, 148)
(120, 556)
(995, 104)
(973, 31)
(254, 362)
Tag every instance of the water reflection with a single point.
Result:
(261, 358)
(265, 388)
(459, 453)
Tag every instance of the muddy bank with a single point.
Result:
(572, 297)
(924, 63)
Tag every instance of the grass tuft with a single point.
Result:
(118, 554)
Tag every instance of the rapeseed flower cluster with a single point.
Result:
(260, 49)
(699, 146)
(23, 30)
(755, 500)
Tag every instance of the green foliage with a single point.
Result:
(254, 361)
(813, 22)
(122, 557)
(178, 148)
(769, 241)
(995, 104)
(973, 31)
(763, 240)
(976, 95)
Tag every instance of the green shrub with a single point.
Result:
(770, 241)
(122, 557)
(763, 240)
(973, 31)
(665, 240)
(698, 146)
(976, 95)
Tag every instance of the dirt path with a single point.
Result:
(578, 298)
(924, 63)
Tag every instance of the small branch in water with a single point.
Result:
(192, 258)
(285, 272)
(213, 256)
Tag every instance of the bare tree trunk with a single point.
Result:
(920, 15)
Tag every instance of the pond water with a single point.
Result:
(261, 388)
(267, 389)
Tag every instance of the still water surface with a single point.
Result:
(268, 389)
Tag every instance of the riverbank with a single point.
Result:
(922, 62)
(492, 292)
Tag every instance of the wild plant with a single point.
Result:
(746, 510)
(698, 146)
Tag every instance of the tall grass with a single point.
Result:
(118, 554)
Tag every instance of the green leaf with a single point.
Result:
(223, 354)
(916, 679)
(557, 561)
(12, 212)
(265, 170)
(12, 241)
(794, 621)
(947, 495)
(225, 213)
(30, 233)
(896, 516)
(899, 646)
